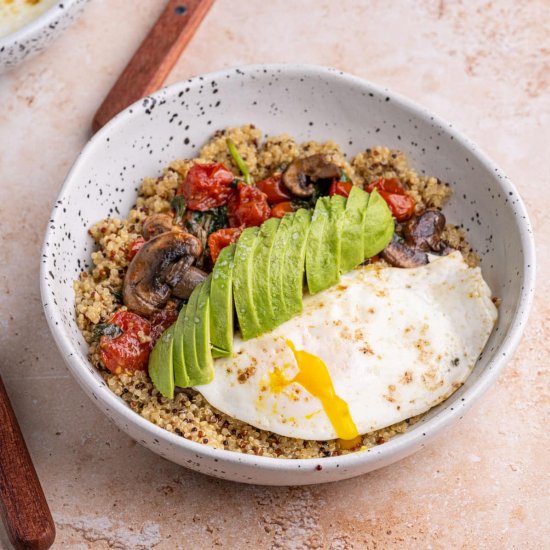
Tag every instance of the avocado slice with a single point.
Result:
(292, 276)
(161, 368)
(276, 269)
(322, 251)
(189, 347)
(352, 246)
(221, 303)
(261, 274)
(201, 321)
(242, 283)
(335, 227)
(378, 226)
(314, 247)
(181, 378)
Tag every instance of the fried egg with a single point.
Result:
(15, 14)
(382, 346)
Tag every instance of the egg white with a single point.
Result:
(396, 342)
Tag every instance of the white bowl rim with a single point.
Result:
(36, 24)
(412, 438)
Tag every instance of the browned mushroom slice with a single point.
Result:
(424, 232)
(399, 254)
(302, 173)
(191, 278)
(156, 224)
(159, 265)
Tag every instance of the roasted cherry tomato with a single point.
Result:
(247, 207)
(274, 189)
(160, 322)
(399, 202)
(218, 240)
(135, 246)
(279, 210)
(390, 185)
(207, 186)
(126, 352)
(401, 206)
(340, 188)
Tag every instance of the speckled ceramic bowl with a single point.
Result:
(308, 103)
(38, 33)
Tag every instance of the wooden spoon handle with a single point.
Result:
(155, 57)
(23, 506)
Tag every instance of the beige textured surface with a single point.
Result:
(484, 483)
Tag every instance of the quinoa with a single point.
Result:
(98, 291)
(192, 417)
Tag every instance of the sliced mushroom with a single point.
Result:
(156, 224)
(399, 254)
(157, 268)
(302, 173)
(191, 278)
(424, 232)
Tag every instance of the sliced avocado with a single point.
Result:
(189, 347)
(201, 320)
(378, 227)
(261, 274)
(336, 224)
(322, 249)
(181, 378)
(242, 283)
(352, 246)
(161, 368)
(276, 269)
(221, 303)
(319, 220)
(292, 276)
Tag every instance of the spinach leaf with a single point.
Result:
(106, 329)
(238, 160)
(178, 206)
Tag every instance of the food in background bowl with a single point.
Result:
(15, 14)
(395, 315)
(28, 26)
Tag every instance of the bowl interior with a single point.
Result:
(307, 103)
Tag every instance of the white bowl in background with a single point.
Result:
(37, 33)
(308, 102)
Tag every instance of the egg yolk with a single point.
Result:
(314, 376)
